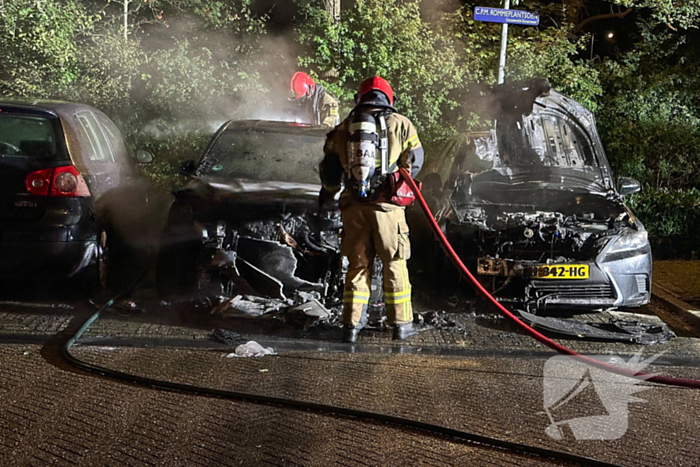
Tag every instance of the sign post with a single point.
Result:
(505, 16)
(504, 44)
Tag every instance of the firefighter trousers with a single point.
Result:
(373, 229)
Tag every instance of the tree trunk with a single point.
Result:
(333, 9)
(126, 17)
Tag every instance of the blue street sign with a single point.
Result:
(501, 15)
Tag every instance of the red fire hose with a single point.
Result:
(691, 383)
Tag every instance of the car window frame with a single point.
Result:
(83, 131)
(122, 156)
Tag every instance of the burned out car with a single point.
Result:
(247, 223)
(532, 206)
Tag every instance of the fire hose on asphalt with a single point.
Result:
(435, 430)
(374, 416)
(690, 383)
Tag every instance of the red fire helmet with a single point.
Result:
(302, 84)
(376, 83)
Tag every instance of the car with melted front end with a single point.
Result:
(530, 204)
(60, 163)
(247, 220)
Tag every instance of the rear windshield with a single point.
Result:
(28, 136)
(260, 155)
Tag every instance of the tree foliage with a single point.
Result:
(391, 40)
(650, 114)
(181, 59)
(186, 65)
(41, 45)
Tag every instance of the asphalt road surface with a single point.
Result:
(478, 376)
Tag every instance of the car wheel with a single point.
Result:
(95, 278)
(103, 260)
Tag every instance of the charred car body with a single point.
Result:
(247, 221)
(531, 204)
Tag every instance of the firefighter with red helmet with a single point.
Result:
(364, 154)
(322, 107)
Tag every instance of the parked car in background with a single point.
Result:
(64, 169)
(532, 207)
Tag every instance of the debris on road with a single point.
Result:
(439, 320)
(615, 330)
(225, 336)
(251, 349)
(128, 307)
(248, 305)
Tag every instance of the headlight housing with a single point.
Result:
(628, 240)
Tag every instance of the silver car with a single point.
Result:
(531, 206)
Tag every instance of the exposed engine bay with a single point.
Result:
(275, 258)
(531, 204)
(255, 249)
(541, 237)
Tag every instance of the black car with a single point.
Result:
(63, 167)
(530, 204)
(247, 221)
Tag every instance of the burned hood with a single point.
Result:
(500, 203)
(533, 179)
(538, 136)
(266, 196)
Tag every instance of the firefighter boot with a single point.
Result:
(404, 330)
(350, 333)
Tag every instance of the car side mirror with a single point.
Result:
(187, 167)
(143, 157)
(628, 186)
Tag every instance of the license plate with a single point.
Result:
(563, 271)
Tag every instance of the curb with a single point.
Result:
(677, 306)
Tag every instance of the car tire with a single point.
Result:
(96, 277)
(103, 260)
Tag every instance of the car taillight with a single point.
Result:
(67, 181)
(38, 183)
(63, 181)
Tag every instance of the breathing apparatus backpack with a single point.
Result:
(368, 156)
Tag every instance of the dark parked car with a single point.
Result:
(247, 221)
(531, 205)
(63, 167)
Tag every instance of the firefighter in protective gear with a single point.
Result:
(365, 151)
(321, 106)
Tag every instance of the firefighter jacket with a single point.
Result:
(405, 150)
(325, 108)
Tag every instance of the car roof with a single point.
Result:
(275, 126)
(61, 108)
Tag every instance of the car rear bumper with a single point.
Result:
(45, 259)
